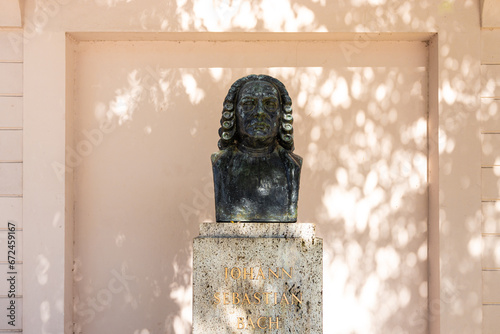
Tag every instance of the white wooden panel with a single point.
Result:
(11, 145)
(11, 78)
(490, 115)
(491, 217)
(11, 209)
(491, 252)
(11, 111)
(490, 149)
(11, 178)
(490, 183)
(490, 80)
(4, 304)
(491, 319)
(490, 13)
(11, 45)
(10, 15)
(18, 256)
(5, 285)
(490, 48)
(491, 287)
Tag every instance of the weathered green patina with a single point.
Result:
(256, 175)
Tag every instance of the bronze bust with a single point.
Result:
(256, 175)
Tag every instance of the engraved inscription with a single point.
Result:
(264, 298)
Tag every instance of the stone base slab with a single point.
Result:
(257, 278)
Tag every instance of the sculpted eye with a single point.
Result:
(271, 104)
(248, 104)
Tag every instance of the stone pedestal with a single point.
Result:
(257, 278)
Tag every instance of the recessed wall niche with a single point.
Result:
(146, 115)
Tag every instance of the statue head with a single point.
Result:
(257, 112)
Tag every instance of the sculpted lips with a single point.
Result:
(256, 125)
(260, 123)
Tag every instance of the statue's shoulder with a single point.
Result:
(292, 158)
(221, 156)
(297, 159)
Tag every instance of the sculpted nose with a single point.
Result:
(260, 107)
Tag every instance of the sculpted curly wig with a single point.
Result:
(227, 131)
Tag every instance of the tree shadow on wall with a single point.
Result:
(362, 130)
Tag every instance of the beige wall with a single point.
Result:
(454, 132)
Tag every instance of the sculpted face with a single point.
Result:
(258, 113)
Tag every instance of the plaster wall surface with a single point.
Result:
(454, 140)
(146, 121)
